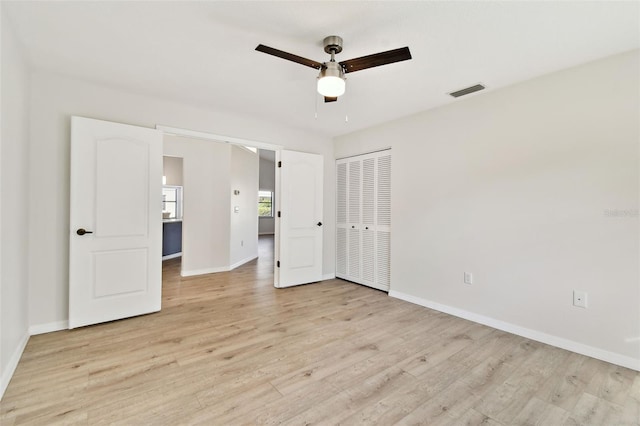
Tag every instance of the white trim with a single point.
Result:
(380, 287)
(216, 270)
(364, 153)
(48, 327)
(218, 138)
(203, 271)
(374, 286)
(7, 374)
(328, 277)
(570, 345)
(172, 256)
(242, 262)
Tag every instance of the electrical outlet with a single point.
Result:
(579, 299)
(468, 278)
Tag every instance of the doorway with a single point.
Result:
(219, 204)
(267, 210)
(172, 206)
(267, 192)
(297, 238)
(298, 232)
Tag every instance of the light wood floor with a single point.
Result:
(230, 349)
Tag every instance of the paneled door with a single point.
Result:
(115, 247)
(299, 228)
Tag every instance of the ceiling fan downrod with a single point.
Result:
(333, 46)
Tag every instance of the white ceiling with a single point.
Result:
(203, 52)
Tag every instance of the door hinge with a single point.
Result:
(279, 163)
(278, 214)
(278, 263)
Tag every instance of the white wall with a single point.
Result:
(14, 210)
(243, 241)
(205, 225)
(54, 99)
(533, 189)
(172, 170)
(267, 183)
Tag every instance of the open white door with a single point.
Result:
(299, 227)
(115, 248)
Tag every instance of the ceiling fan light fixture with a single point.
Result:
(331, 82)
(331, 86)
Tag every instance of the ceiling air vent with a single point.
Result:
(467, 90)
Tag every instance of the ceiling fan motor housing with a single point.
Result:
(331, 69)
(333, 43)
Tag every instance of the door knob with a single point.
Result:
(319, 224)
(83, 231)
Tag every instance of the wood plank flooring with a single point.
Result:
(229, 349)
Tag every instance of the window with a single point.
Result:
(265, 204)
(172, 202)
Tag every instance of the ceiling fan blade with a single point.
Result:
(288, 56)
(330, 99)
(377, 59)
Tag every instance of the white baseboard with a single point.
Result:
(8, 371)
(243, 261)
(328, 277)
(194, 272)
(172, 256)
(203, 271)
(570, 345)
(48, 328)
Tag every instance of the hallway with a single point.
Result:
(261, 268)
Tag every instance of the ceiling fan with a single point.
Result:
(331, 81)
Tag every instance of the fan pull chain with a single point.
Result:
(346, 108)
(316, 98)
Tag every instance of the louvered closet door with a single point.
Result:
(341, 220)
(354, 218)
(383, 221)
(363, 234)
(367, 228)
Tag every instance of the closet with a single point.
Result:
(363, 216)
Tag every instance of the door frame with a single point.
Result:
(177, 131)
(212, 137)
